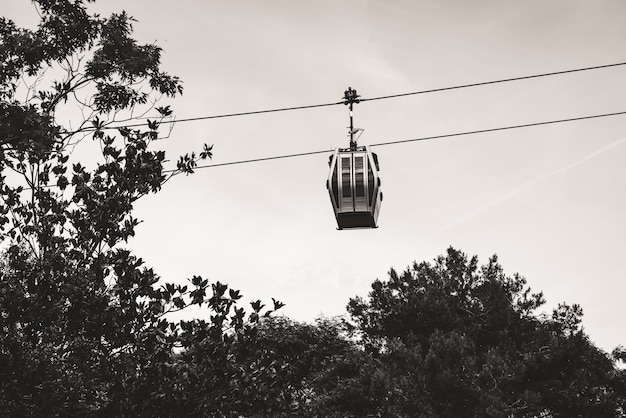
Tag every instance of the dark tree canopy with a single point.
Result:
(464, 340)
(84, 329)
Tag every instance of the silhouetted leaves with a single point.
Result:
(469, 339)
(87, 328)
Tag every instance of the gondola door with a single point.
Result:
(352, 188)
(346, 202)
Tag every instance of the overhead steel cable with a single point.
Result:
(227, 115)
(504, 128)
(424, 138)
(254, 160)
(284, 109)
(485, 83)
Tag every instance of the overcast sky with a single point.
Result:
(549, 200)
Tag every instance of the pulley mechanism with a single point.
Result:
(350, 97)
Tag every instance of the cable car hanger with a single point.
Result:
(350, 97)
(353, 182)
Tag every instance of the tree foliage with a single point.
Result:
(84, 328)
(460, 340)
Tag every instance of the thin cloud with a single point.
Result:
(526, 185)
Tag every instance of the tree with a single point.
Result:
(458, 340)
(294, 369)
(305, 366)
(84, 329)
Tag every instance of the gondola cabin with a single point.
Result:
(354, 187)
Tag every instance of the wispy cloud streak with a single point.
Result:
(526, 185)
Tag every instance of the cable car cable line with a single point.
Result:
(284, 109)
(485, 83)
(425, 138)
(402, 141)
(504, 128)
(254, 160)
(227, 115)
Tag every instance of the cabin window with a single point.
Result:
(370, 184)
(345, 178)
(335, 185)
(359, 177)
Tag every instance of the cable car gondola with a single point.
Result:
(354, 187)
(353, 182)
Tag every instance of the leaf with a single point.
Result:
(257, 306)
(219, 289)
(178, 302)
(277, 304)
(164, 111)
(125, 132)
(59, 169)
(206, 152)
(62, 182)
(153, 125)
